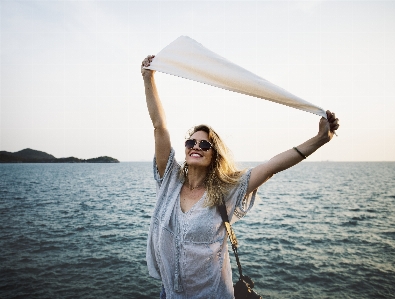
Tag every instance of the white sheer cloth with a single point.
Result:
(188, 59)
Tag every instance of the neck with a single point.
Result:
(195, 178)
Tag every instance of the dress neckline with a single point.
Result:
(192, 208)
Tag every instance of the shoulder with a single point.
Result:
(241, 178)
(238, 201)
(172, 168)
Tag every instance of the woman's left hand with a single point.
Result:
(291, 157)
(328, 126)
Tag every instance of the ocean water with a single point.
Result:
(318, 230)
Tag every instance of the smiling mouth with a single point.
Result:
(195, 155)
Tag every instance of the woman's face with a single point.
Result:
(195, 156)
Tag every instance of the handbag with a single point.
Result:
(243, 289)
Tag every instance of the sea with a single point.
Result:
(318, 230)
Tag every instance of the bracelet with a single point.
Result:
(296, 149)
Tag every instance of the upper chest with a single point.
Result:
(188, 198)
(200, 224)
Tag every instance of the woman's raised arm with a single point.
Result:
(158, 117)
(293, 156)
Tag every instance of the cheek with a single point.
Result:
(210, 157)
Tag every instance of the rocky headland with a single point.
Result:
(33, 156)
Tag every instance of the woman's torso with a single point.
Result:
(188, 251)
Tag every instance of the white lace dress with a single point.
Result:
(188, 251)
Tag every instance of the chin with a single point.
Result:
(200, 163)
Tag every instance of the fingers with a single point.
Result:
(334, 126)
(333, 121)
(146, 73)
(330, 115)
(147, 61)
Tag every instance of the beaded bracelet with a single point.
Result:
(303, 156)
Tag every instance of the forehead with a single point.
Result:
(200, 135)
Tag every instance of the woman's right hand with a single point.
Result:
(145, 63)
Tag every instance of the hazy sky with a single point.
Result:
(71, 82)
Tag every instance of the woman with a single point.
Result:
(187, 244)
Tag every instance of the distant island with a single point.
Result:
(33, 156)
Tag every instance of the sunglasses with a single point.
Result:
(204, 145)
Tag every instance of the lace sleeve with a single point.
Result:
(239, 203)
(170, 166)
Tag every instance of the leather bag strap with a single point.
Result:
(231, 234)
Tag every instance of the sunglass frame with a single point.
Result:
(195, 142)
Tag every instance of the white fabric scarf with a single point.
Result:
(188, 59)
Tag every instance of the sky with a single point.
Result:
(70, 80)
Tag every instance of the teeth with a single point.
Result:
(195, 155)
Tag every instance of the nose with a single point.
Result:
(196, 146)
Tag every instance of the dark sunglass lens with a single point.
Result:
(190, 143)
(204, 145)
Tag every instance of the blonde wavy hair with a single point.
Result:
(222, 172)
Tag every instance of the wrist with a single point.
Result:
(148, 77)
(322, 139)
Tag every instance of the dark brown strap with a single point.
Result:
(231, 234)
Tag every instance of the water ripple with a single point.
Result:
(79, 231)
